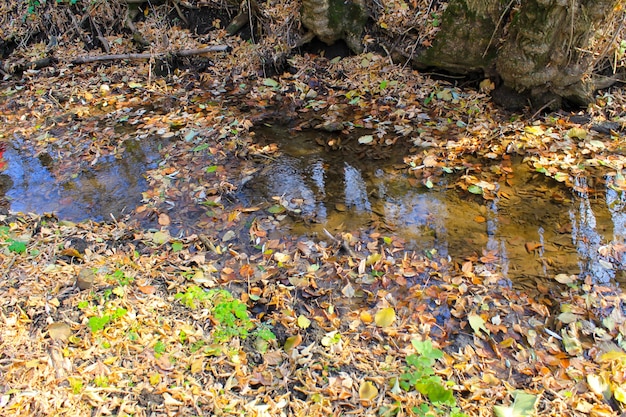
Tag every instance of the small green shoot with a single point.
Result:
(420, 375)
(230, 314)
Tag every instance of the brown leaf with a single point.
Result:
(59, 331)
(532, 246)
(164, 219)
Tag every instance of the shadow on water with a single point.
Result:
(537, 231)
(110, 187)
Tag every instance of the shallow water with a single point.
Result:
(110, 187)
(536, 230)
(539, 230)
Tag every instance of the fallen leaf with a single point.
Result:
(292, 342)
(523, 406)
(59, 331)
(164, 219)
(367, 391)
(477, 323)
(532, 246)
(385, 317)
(303, 322)
(566, 279)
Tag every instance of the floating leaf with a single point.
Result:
(475, 189)
(523, 406)
(385, 317)
(276, 209)
(367, 391)
(365, 139)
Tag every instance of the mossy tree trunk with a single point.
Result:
(546, 50)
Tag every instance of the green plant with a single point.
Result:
(97, 323)
(230, 315)
(420, 375)
(159, 348)
(14, 246)
(119, 277)
(193, 297)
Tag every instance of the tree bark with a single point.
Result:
(546, 50)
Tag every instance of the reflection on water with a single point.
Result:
(111, 186)
(527, 234)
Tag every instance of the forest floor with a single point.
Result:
(196, 304)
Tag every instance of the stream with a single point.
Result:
(538, 231)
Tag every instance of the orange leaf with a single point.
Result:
(147, 289)
(164, 219)
(292, 342)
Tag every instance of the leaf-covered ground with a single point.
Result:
(198, 305)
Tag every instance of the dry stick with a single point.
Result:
(186, 52)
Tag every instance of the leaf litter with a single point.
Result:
(198, 305)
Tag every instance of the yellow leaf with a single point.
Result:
(367, 391)
(477, 323)
(373, 258)
(385, 317)
(366, 317)
(303, 322)
(534, 130)
(197, 365)
(155, 379)
(613, 355)
(282, 257)
(598, 384)
(620, 394)
(577, 132)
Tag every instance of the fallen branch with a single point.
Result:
(182, 53)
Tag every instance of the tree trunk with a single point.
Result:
(546, 50)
